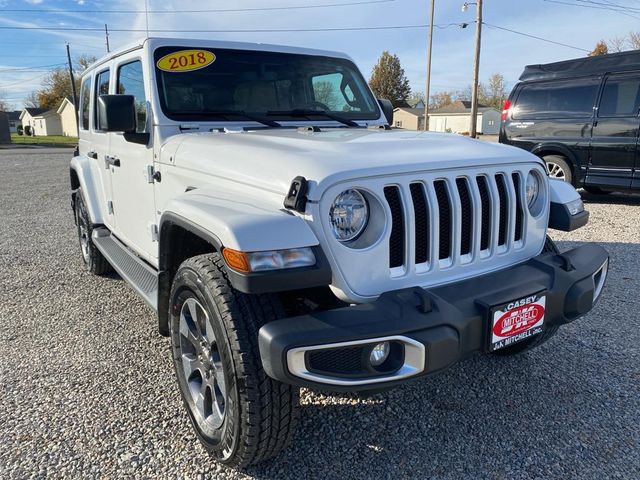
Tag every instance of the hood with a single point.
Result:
(271, 158)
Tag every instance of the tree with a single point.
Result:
(601, 48)
(4, 104)
(324, 93)
(415, 98)
(634, 40)
(31, 100)
(389, 81)
(441, 99)
(84, 61)
(56, 85)
(494, 93)
(616, 44)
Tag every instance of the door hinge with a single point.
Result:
(153, 175)
(154, 232)
(110, 207)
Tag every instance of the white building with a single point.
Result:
(68, 118)
(42, 122)
(454, 118)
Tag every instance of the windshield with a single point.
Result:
(222, 84)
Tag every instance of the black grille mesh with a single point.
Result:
(486, 212)
(444, 208)
(465, 188)
(504, 214)
(422, 222)
(466, 214)
(396, 241)
(519, 211)
(345, 360)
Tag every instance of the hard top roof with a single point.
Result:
(155, 42)
(597, 65)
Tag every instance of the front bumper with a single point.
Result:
(435, 328)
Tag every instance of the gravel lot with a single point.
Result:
(88, 389)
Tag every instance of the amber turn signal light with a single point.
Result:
(236, 260)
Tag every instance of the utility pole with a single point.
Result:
(428, 86)
(476, 72)
(106, 36)
(73, 86)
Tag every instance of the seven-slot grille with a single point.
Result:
(445, 212)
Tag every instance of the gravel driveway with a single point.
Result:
(88, 390)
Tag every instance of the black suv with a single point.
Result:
(582, 117)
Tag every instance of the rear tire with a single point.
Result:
(93, 259)
(558, 168)
(244, 417)
(547, 333)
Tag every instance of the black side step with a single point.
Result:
(140, 276)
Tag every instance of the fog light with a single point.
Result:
(379, 354)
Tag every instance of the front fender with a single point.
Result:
(240, 223)
(90, 186)
(560, 217)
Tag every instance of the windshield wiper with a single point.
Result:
(310, 113)
(229, 113)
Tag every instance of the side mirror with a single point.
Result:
(387, 109)
(117, 113)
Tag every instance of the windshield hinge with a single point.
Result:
(153, 175)
(296, 198)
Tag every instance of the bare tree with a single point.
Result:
(324, 92)
(415, 98)
(494, 93)
(31, 100)
(441, 99)
(4, 104)
(634, 40)
(84, 61)
(616, 44)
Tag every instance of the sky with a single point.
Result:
(25, 55)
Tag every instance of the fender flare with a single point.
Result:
(579, 170)
(222, 221)
(81, 166)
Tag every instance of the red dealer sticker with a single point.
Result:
(516, 321)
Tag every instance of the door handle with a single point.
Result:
(111, 161)
(92, 154)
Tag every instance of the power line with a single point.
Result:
(31, 68)
(23, 81)
(266, 30)
(215, 10)
(535, 37)
(599, 6)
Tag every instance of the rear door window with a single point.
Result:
(85, 99)
(556, 99)
(620, 96)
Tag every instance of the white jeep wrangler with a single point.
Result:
(257, 199)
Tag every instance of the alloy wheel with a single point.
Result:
(555, 171)
(202, 366)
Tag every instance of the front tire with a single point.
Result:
(92, 257)
(240, 415)
(547, 333)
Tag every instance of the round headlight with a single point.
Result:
(532, 189)
(349, 215)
